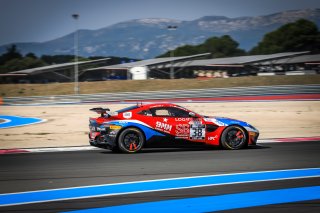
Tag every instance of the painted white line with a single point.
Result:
(154, 186)
(5, 120)
(62, 149)
(266, 141)
(91, 148)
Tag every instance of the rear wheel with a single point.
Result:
(131, 140)
(234, 137)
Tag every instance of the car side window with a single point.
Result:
(160, 112)
(169, 112)
(145, 112)
(176, 112)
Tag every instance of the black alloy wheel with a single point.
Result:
(234, 137)
(131, 140)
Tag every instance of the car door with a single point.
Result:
(188, 125)
(179, 123)
(162, 120)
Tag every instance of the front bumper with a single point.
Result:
(253, 138)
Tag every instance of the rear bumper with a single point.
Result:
(101, 141)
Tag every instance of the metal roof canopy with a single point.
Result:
(149, 62)
(242, 60)
(306, 59)
(52, 68)
(278, 58)
(183, 61)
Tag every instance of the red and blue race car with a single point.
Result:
(133, 128)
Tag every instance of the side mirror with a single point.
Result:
(192, 115)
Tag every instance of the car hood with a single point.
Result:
(223, 121)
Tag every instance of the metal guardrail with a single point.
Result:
(170, 94)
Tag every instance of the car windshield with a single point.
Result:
(127, 109)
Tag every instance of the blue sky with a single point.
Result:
(43, 20)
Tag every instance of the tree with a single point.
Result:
(59, 59)
(21, 64)
(223, 46)
(302, 35)
(31, 55)
(14, 61)
(11, 53)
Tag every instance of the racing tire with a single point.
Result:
(233, 138)
(131, 140)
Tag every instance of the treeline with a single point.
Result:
(302, 35)
(13, 60)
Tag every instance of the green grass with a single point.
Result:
(11, 90)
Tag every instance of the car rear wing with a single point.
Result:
(101, 111)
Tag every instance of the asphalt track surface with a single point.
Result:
(39, 171)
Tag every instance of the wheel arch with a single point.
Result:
(237, 125)
(127, 127)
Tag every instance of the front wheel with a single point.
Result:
(131, 140)
(234, 137)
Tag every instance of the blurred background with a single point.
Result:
(44, 41)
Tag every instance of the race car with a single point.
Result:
(131, 129)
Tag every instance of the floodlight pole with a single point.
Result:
(172, 54)
(76, 44)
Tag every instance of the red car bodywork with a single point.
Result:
(164, 120)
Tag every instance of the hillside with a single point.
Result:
(147, 38)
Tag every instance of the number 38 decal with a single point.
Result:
(197, 132)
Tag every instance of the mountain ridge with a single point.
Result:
(149, 37)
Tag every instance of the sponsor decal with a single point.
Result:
(197, 131)
(196, 122)
(127, 115)
(182, 130)
(182, 119)
(163, 126)
(113, 133)
(115, 127)
(165, 120)
(101, 128)
(212, 138)
(122, 122)
(160, 105)
(182, 137)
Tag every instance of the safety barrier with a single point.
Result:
(158, 95)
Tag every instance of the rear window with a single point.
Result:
(127, 109)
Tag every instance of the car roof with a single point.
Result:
(159, 105)
(148, 106)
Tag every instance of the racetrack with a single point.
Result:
(67, 126)
(27, 172)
